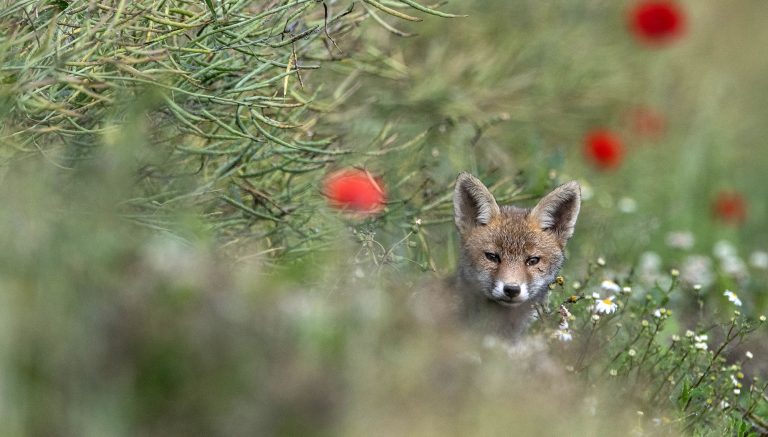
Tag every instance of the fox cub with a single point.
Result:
(509, 255)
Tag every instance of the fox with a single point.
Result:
(508, 255)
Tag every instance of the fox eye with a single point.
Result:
(532, 260)
(493, 257)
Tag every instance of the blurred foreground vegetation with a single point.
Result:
(170, 265)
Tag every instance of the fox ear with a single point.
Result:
(473, 204)
(558, 210)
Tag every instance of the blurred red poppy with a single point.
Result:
(646, 122)
(354, 190)
(603, 148)
(656, 22)
(730, 207)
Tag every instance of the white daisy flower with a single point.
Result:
(749, 355)
(610, 286)
(563, 335)
(627, 205)
(680, 240)
(759, 259)
(697, 270)
(732, 297)
(724, 249)
(689, 333)
(700, 346)
(762, 318)
(606, 306)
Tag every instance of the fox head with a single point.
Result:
(509, 254)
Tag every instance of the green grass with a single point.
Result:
(169, 265)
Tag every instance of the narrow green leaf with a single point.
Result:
(209, 3)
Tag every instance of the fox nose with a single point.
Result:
(512, 290)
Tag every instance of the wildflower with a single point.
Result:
(680, 240)
(606, 306)
(656, 23)
(674, 273)
(696, 287)
(644, 323)
(734, 266)
(730, 208)
(626, 290)
(759, 260)
(724, 249)
(661, 313)
(736, 391)
(576, 285)
(601, 261)
(354, 190)
(732, 297)
(603, 148)
(632, 352)
(724, 404)
(689, 333)
(595, 318)
(627, 205)
(697, 269)
(700, 342)
(613, 372)
(595, 295)
(675, 338)
(610, 286)
(762, 319)
(749, 355)
(563, 335)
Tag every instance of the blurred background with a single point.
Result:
(173, 262)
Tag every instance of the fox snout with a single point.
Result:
(510, 292)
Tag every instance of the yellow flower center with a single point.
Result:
(608, 301)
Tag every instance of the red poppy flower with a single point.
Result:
(354, 190)
(646, 122)
(730, 207)
(603, 148)
(656, 22)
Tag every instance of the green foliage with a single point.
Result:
(227, 100)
